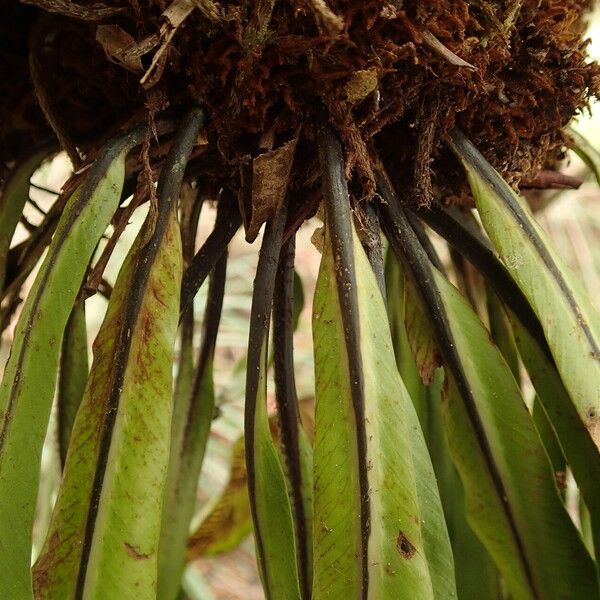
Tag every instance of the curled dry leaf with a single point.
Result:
(175, 14)
(117, 44)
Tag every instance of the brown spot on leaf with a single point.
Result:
(404, 546)
(135, 552)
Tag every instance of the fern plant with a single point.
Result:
(427, 474)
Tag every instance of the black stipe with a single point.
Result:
(262, 299)
(212, 320)
(286, 399)
(464, 235)
(226, 226)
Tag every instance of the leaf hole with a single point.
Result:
(404, 546)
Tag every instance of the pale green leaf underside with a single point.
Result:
(409, 554)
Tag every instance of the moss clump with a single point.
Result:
(390, 75)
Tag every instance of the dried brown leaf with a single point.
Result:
(270, 178)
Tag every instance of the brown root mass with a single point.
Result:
(392, 76)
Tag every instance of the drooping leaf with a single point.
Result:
(104, 536)
(226, 521)
(570, 322)
(13, 198)
(193, 415)
(27, 388)
(274, 532)
(513, 504)
(296, 450)
(72, 376)
(379, 530)
(573, 436)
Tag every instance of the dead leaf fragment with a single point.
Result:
(209, 9)
(270, 178)
(117, 45)
(174, 15)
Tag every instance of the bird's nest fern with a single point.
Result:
(405, 112)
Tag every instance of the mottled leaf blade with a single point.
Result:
(571, 324)
(104, 535)
(103, 538)
(29, 379)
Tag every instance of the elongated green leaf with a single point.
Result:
(574, 438)
(13, 198)
(513, 504)
(570, 323)
(272, 516)
(104, 536)
(528, 531)
(30, 375)
(379, 530)
(500, 487)
(576, 442)
(226, 521)
(193, 415)
(73, 375)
